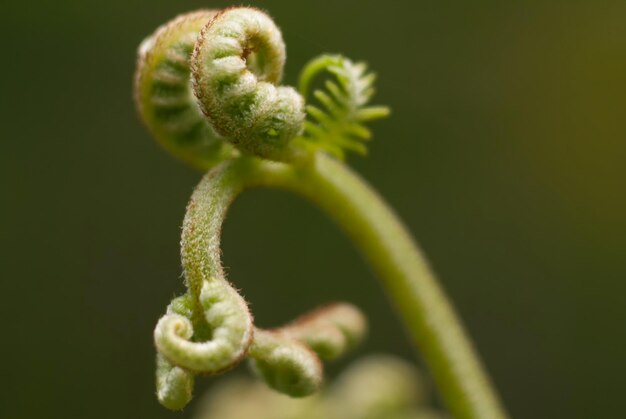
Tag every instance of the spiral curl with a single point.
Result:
(236, 62)
(225, 313)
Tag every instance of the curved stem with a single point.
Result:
(379, 234)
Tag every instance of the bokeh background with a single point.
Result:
(505, 155)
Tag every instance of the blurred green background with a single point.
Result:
(505, 155)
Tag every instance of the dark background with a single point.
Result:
(505, 155)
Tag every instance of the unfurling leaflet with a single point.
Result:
(337, 122)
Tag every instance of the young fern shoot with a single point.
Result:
(208, 88)
(339, 124)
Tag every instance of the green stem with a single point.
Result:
(384, 241)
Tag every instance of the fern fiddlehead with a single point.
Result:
(237, 61)
(164, 96)
(231, 78)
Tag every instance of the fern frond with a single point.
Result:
(336, 123)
